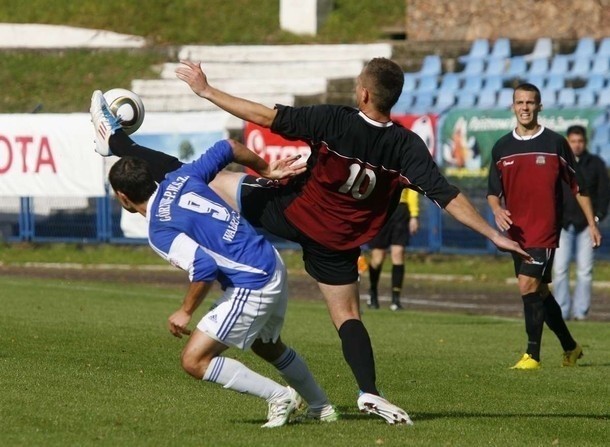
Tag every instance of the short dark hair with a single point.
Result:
(132, 177)
(578, 130)
(387, 79)
(526, 86)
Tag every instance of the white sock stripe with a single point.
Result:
(217, 364)
(286, 359)
(236, 309)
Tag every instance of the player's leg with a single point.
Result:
(201, 359)
(375, 266)
(533, 311)
(561, 271)
(111, 140)
(397, 254)
(584, 252)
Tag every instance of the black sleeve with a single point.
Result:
(603, 190)
(309, 124)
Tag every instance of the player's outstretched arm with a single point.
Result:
(193, 75)
(276, 170)
(179, 320)
(463, 211)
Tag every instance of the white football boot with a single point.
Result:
(281, 409)
(104, 123)
(372, 404)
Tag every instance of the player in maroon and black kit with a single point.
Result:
(359, 164)
(527, 168)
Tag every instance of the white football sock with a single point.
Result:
(236, 376)
(296, 373)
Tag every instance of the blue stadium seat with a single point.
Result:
(517, 68)
(603, 97)
(601, 65)
(566, 97)
(500, 49)
(604, 48)
(427, 83)
(473, 84)
(465, 100)
(478, 50)
(496, 66)
(539, 80)
(505, 98)
(581, 67)
(473, 67)
(601, 134)
(585, 49)
(449, 82)
(444, 100)
(431, 66)
(494, 82)
(423, 102)
(538, 66)
(410, 82)
(560, 65)
(555, 82)
(404, 103)
(543, 49)
(595, 82)
(585, 98)
(486, 99)
(549, 97)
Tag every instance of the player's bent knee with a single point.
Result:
(194, 365)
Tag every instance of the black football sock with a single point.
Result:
(398, 273)
(533, 308)
(159, 163)
(374, 274)
(358, 353)
(554, 320)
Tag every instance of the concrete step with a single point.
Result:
(284, 53)
(191, 102)
(276, 70)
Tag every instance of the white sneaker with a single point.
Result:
(327, 413)
(280, 410)
(372, 404)
(104, 123)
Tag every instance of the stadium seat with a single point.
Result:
(601, 65)
(486, 99)
(566, 97)
(473, 84)
(423, 102)
(500, 49)
(538, 66)
(496, 66)
(404, 103)
(431, 66)
(595, 82)
(449, 82)
(517, 68)
(444, 100)
(494, 82)
(555, 82)
(505, 98)
(581, 67)
(603, 97)
(585, 98)
(427, 83)
(542, 49)
(604, 48)
(410, 82)
(560, 64)
(549, 97)
(539, 80)
(478, 50)
(465, 100)
(473, 67)
(585, 49)
(601, 134)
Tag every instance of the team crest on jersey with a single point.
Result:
(540, 160)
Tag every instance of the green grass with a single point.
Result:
(92, 364)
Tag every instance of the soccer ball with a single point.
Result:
(127, 107)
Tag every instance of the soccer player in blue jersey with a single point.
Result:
(191, 227)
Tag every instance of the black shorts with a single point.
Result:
(395, 231)
(541, 267)
(262, 202)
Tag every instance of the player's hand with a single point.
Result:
(505, 244)
(502, 218)
(178, 322)
(413, 225)
(286, 167)
(193, 75)
(596, 236)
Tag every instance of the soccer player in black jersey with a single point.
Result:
(360, 162)
(527, 168)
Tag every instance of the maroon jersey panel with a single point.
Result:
(528, 175)
(357, 169)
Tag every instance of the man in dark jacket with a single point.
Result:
(575, 239)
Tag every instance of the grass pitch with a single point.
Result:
(86, 363)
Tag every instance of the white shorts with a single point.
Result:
(242, 315)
